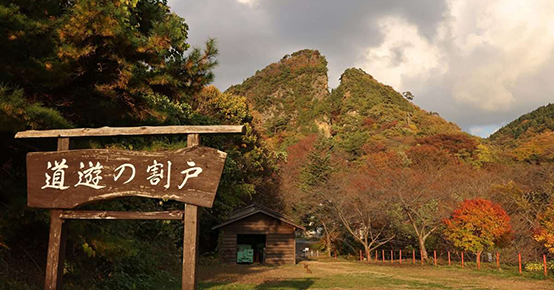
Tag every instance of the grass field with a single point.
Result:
(342, 274)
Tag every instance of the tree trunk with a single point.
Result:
(479, 259)
(422, 249)
(327, 240)
(367, 253)
(328, 246)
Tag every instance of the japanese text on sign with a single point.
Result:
(66, 179)
(90, 174)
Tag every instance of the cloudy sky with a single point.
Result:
(477, 63)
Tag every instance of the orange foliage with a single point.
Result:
(374, 146)
(478, 224)
(453, 143)
(539, 149)
(368, 122)
(544, 233)
(296, 154)
(383, 160)
(389, 125)
(296, 158)
(428, 154)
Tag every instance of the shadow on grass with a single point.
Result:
(295, 284)
(291, 284)
(229, 273)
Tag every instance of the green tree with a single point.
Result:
(89, 63)
(103, 62)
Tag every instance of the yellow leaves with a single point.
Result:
(73, 52)
(229, 108)
(538, 148)
(48, 66)
(544, 234)
(88, 250)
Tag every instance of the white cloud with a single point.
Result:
(482, 49)
(516, 37)
(403, 53)
(248, 2)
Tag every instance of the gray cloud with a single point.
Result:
(252, 36)
(479, 65)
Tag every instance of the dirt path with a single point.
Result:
(354, 275)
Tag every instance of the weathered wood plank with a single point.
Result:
(190, 249)
(56, 252)
(116, 173)
(259, 224)
(121, 215)
(56, 242)
(132, 131)
(63, 144)
(190, 238)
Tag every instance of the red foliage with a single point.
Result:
(478, 224)
(428, 154)
(453, 143)
(368, 122)
(383, 160)
(296, 154)
(389, 125)
(374, 147)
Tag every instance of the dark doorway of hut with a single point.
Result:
(250, 249)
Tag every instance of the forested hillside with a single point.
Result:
(290, 101)
(378, 171)
(286, 96)
(530, 137)
(361, 111)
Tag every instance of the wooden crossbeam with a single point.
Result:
(132, 131)
(120, 215)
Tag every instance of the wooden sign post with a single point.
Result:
(66, 179)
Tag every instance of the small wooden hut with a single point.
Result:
(266, 235)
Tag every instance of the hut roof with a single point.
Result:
(254, 209)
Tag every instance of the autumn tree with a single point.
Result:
(362, 208)
(525, 191)
(113, 62)
(544, 232)
(539, 149)
(477, 225)
(424, 190)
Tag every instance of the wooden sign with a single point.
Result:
(66, 179)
